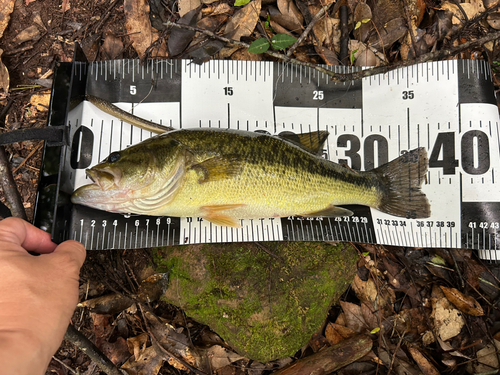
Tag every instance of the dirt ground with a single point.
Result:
(415, 284)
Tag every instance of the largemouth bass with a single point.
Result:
(226, 175)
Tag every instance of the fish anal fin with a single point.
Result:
(218, 168)
(312, 142)
(215, 215)
(330, 211)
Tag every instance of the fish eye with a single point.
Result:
(114, 157)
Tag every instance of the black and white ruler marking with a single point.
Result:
(447, 107)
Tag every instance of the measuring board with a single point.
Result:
(447, 107)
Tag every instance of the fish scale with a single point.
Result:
(446, 107)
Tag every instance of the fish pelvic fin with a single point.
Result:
(401, 181)
(218, 168)
(330, 211)
(215, 215)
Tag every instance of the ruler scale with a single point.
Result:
(447, 107)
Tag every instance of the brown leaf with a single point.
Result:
(174, 341)
(138, 25)
(423, 363)
(179, 39)
(6, 6)
(448, 321)
(465, 304)
(148, 363)
(112, 46)
(220, 357)
(362, 14)
(336, 333)
(108, 304)
(4, 78)
(354, 317)
(186, 6)
(117, 351)
(244, 21)
(137, 345)
(29, 33)
(289, 10)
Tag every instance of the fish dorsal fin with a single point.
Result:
(330, 211)
(311, 142)
(218, 168)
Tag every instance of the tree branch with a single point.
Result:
(85, 345)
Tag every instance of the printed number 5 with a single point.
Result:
(408, 95)
(133, 90)
(318, 95)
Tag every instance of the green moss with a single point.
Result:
(265, 306)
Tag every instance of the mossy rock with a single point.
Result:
(265, 304)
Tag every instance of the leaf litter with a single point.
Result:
(418, 311)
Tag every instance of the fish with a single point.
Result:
(225, 175)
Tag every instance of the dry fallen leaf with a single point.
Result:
(354, 317)
(243, 21)
(448, 321)
(137, 345)
(186, 6)
(148, 363)
(423, 363)
(6, 6)
(41, 101)
(336, 333)
(220, 357)
(465, 304)
(138, 25)
(289, 10)
(487, 360)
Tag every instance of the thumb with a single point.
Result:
(69, 255)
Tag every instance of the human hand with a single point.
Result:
(38, 295)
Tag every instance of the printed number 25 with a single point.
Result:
(318, 95)
(408, 95)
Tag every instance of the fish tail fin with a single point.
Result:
(402, 180)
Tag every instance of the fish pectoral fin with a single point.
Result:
(330, 211)
(218, 168)
(215, 215)
(311, 142)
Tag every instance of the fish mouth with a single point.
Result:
(105, 178)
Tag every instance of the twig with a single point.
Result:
(64, 364)
(10, 192)
(28, 157)
(107, 14)
(343, 77)
(85, 345)
(309, 27)
(344, 35)
(410, 28)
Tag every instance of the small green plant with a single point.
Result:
(353, 58)
(279, 42)
(239, 3)
(358, 24)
